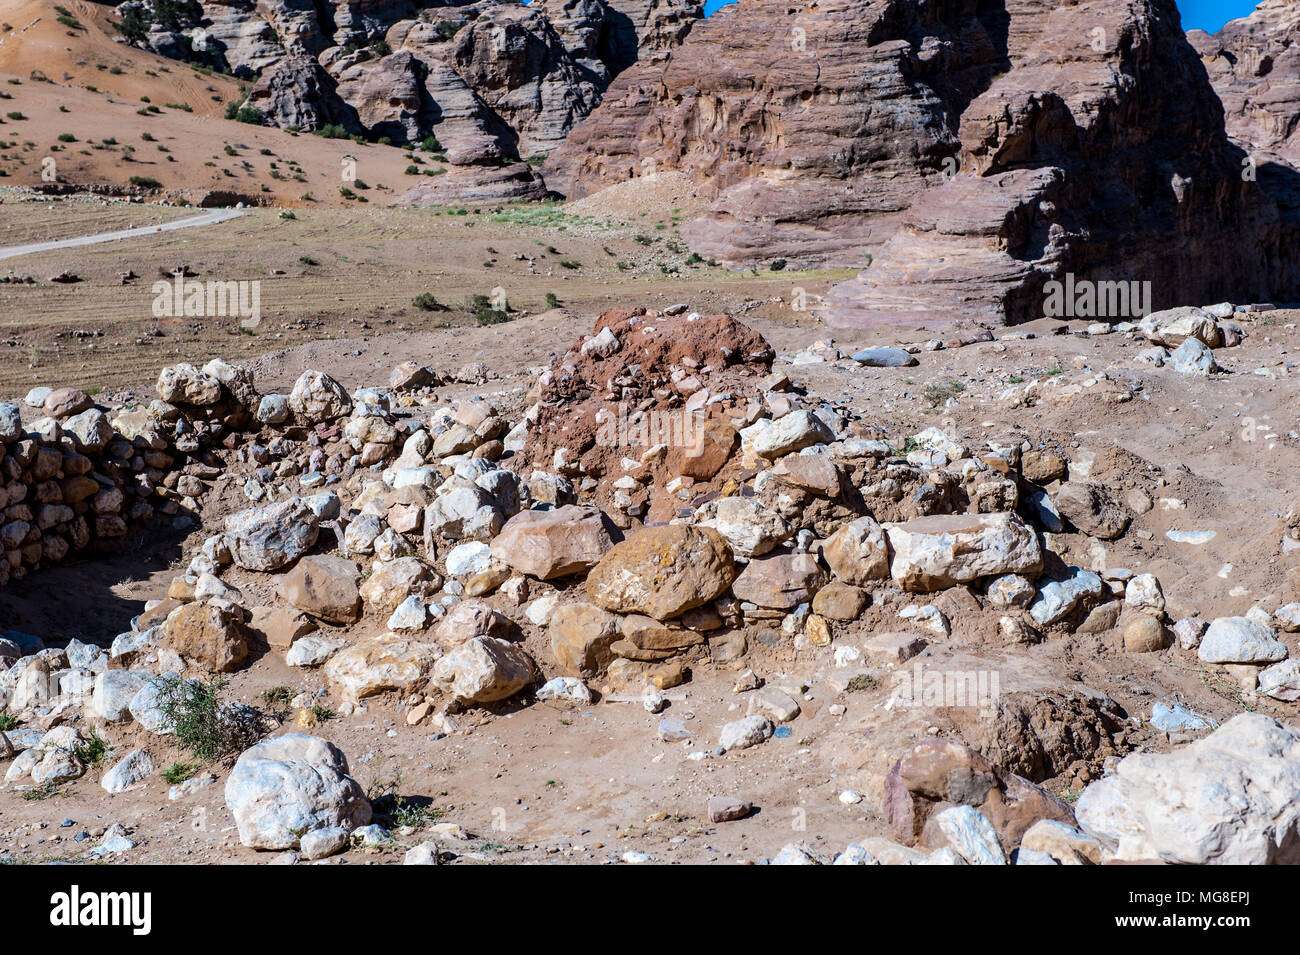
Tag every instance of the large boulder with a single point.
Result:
(211, 636)
(942, 550)
(937, 773)
(325, 587)
(1230, 798)
(317, 398)
(662, 571)
(385, 662)
(858, 553)
(781, 582)
(283, 788)
(555, 543)
(269, 537)
(484, 670)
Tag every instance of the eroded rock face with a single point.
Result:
(1231, 798)
(298, 92)
(1254, 64)
(997, 167)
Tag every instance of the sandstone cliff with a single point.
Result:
(974, 148)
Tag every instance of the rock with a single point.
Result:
(564, 689)
(411, 614)
(280, 627)
(325, 587)
(749, 528)
(426, 853)
(793, 432)
(744, 733)
(130, 771)
(1059, 599)
(798, 853)
(939, 551)
(392, 581)
(1179, 719)
(840, 601)
(971, 835)
(1240, 640)
(936, 773)
(384, 662)
(1189, 631)
(555, 543)
(1090, 508)
(884, 358)
(91, 432)
(1193, 357)
(185, 384)
(468, 559)
(318, 398)
(273, 409)
(312, 650)
(1142, 592)
(1229, 798)
(1010, 590)
(269, 537)
(773, 703)
(285, 787)
(484, 670)
(895, 647)
(114, 691)
(469, 619)
(1067, 845)
(1281, 681)
(147, 705)
(858, 552)
(783, 581)
(581, 639)
(322, 843)
(1145, 634)
(662, 571)
(728, 808)
(211, 636)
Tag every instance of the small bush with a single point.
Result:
(203, 724)
(426, 301)
(177, 773)
(552, 301)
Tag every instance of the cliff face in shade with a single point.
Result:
(975, 149)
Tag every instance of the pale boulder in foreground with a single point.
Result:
(1231, 798)
(286, 787)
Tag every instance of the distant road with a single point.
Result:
(208, 218)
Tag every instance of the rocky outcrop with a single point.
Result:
(297, 93)
(1254, 64)
(975, 157)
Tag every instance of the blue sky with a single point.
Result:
(1207, 15)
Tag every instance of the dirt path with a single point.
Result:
(208, 218)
